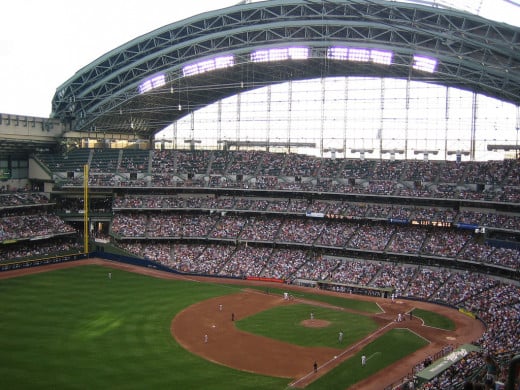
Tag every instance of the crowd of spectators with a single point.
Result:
(19, 199)
(337, 208)
(40, 249)
(407, 240)
(303, 231)
(283, 263)
(301, 165)
(370, 236)
(32, 226)
(190, 162)
(508, 194)
(261, 228)
(355, 272)
(505, 221)
(318, 268)
(483, 180)
(246, 261)
(446, 243)
(461, 286)
(336, 233)
(230, 228)
(426, 281)
(397, 276)
(497, 305)
(129, 225)
(29, 228)
(472, 291)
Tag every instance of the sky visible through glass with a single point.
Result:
(345, 114)
(342, 116)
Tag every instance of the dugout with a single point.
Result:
(442, 364)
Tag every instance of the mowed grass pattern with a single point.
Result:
(76, 329)
(284, 323)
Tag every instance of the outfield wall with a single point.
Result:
(11, 266)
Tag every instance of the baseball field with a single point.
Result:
(78, 328)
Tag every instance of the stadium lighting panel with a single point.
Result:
(151, 83)
(381, 57)
(360, 55)
(280, 54)
(208, 65)
(338, 53)
(260, 56)
(298, 53)
(424, 64)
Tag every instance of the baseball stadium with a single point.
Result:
(279, 194)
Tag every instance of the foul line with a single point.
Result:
(346, 351)
(374, 354)
(417, 334)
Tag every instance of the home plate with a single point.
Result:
(213, 326)
(451, 338)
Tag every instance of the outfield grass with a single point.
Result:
(76, 329)
(433, 319)
(344, 302)
(287, 327)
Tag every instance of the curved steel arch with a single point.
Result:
(473, 53)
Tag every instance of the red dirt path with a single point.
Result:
(231, 347)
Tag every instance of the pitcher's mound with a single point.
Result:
(315, 323)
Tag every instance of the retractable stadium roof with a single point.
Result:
(148, 83)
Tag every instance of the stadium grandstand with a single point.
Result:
(366, 146)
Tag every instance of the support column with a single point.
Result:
(446, 122)
(517, 129)
(323, 115)
(174, 135)
(473, 126)
(289, 119)
(268, 122)
(192, 130)
(219, 123)
(85, 209)
(345, 119)
(237, 118)
(406, 119)
(381, 117)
